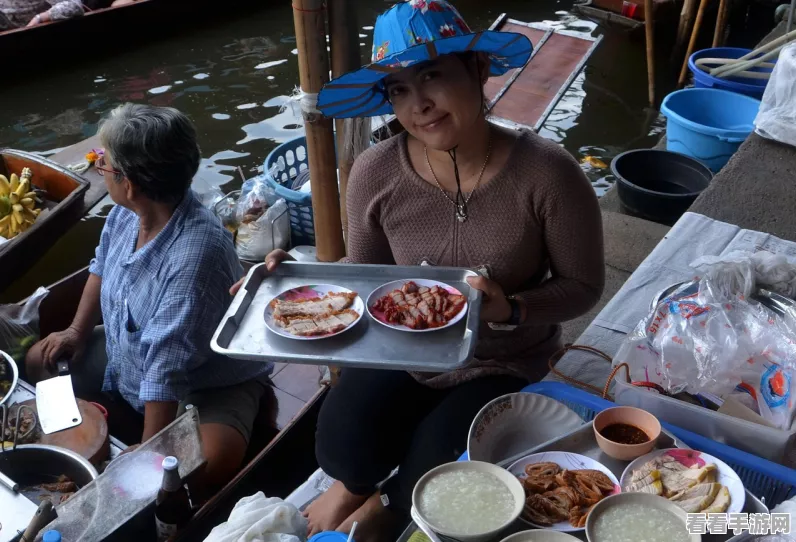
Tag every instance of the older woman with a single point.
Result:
(159, 283)
(453, 190)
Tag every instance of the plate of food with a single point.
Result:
(695, 481)
(417, 305)
(312, 312)
(561, 488)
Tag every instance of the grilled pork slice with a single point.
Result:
(325, 324)
(456, 304)
(313, 307)
(720, 504)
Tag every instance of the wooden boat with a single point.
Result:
(281, 453)
(64, 193)
(38, 50)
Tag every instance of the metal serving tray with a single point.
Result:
(581, 441)
(243, 334)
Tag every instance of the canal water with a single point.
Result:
(233, 78)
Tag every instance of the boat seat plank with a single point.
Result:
(77, 153)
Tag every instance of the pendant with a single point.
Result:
(461, 214)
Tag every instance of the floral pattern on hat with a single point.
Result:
(381, 51)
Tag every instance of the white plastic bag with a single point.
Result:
(260, 519)
(712, 341)
(777, 116)
(270, 231)
(19, 326)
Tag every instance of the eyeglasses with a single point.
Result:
(101, 169)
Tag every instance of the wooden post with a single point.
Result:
(649, 26)
(721, 23)
(344, 42)
(686, 21)
(691, 44)
(310, 23)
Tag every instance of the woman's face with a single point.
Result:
(438, 101)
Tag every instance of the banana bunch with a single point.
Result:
(18, 210)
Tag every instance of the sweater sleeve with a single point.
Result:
(65, 9)
(570, 217)
(366, 243)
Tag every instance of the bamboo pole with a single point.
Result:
(721, 24)
(310, 23)
(692, 43)
(649, 26)
(686, 21)
(344, 43)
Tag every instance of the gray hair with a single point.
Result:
(154, 147)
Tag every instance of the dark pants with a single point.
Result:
(374, 420)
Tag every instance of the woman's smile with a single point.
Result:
(434, 124)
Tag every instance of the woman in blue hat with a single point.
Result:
(453, 190)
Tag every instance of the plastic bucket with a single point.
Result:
(708, 124)
(741, 85)
(658, 185)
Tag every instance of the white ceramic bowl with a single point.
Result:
(511, 482)
(516, 422)
(541, 536)
(651, 501)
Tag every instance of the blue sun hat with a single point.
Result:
(406, 34)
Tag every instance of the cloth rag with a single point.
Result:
(260, 519)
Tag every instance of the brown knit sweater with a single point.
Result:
(535, 227)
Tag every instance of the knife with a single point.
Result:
(56, 403)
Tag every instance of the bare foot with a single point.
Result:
(375, 523)
(332, 508)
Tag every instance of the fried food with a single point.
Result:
(317, 316)
(554, 494)
(420, 307)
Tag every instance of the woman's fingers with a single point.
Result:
(276, 257)
(488, 287)
(236, 286)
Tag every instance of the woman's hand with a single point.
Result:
(68, 342)
(494, 306)
(271, 262)
(40, 18)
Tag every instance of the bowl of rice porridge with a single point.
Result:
(638, 517)
(471, 501)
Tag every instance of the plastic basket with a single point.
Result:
(774, 483)
(287, 161)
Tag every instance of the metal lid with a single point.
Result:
(170, 463)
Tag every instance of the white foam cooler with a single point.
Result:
(773, 444)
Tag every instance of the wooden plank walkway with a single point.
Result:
(525, 97)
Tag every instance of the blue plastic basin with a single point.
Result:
(708, 124)
(742, 85)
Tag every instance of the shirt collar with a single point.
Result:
(152, 254)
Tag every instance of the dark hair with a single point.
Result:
(154, 147)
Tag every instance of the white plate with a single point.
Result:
(565, 460)
(309, 291)
(727, 477)
(396, 285)
(516, 422)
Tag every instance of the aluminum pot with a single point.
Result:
(32, 464)
(8, 371)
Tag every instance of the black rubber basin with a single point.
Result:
(658, 185)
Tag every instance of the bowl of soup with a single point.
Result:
(626, 433)
(471, 501)
(630, 517)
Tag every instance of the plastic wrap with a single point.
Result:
(256, 238)
(777, 116)
(713, 341)
(19, 326)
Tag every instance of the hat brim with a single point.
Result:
(359, 94)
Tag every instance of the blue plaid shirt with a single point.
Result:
(162, 303)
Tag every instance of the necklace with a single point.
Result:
(461, 208)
